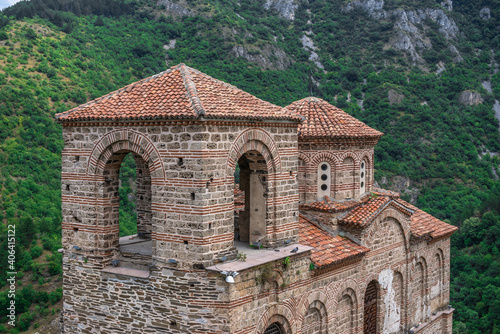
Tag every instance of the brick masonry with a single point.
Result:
(186, 184)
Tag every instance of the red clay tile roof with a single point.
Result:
(364, 214)
(331, 206)
(180, 92)
(385, 192)
(324, 120)
(327, 248)
(424, 225)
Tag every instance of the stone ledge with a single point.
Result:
(422, 326)
(264, 256)
(126, 272)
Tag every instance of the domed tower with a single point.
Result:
(335, 152)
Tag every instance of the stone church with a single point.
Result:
(252, 218)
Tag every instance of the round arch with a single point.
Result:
(254, 140)
(279, 318)
(128, 140)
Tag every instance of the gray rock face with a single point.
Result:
(262, 57)
(174, 8)
(170, 45)
(485, 13)
(409, 36)
(374, 8)
(470, 98)
(447, 4)
(395, 97)
(285, 8)
(308, 45)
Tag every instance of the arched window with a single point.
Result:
(362, 177)
(324, 180)
(274, 328)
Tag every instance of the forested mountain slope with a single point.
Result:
(423, 72)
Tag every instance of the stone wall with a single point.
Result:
(191, 168)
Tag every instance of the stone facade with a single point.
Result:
(387, 277)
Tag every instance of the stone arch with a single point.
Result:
(371, 308)
(129, 140)
(419, 288)
(106, 195)
(314, 166)
(279, 314)
(398, 218)
(254, 140)
(437, 280)
(374, 231)
(315, 319)
(347, 311)
(325, 156)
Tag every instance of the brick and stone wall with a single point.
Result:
(345, 159)
(186, 169)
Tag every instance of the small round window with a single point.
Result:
(362, 184)
(324, 187)
(324, 177)
(362, 174)
(362, 165)
(324, 166)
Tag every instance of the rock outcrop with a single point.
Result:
(485, 13)
(395, 97)
(308, 45)
(470, 98)
(285, 8)
(410, 36)
(174, 9)
(268, 57)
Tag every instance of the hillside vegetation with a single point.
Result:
(423, 74)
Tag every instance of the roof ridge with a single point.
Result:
(115, 92)
(283, 109)
(191, 91)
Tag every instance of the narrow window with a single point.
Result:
(324, 180)
(362, 178)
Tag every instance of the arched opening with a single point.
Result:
(370, 309)
(250, 218)
(126, 195)
(274, 328)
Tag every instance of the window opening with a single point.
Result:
(250, 199)
(362, 176)
(324, 180)
(274, 328)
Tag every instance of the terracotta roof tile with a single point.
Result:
(327, 248)
(331, 206)
(180, 92)
(423, 224)
(323, 120)
(362, 215)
